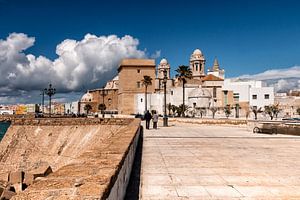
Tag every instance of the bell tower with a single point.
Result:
(163, 65)
(197, 64)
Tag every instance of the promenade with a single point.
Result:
(186, 161)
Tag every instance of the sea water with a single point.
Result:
(3, 128)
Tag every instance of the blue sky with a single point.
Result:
(247, 37)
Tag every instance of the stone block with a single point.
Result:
(7, 194)
(18, 187)
(16, 177)
(1, 190)
(41, 171)
(4, 176)
(29, 178)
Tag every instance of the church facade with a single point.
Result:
(125, 94)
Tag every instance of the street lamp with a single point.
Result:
(50, 92)
(165, 118)
(103, 93)
(43, 100)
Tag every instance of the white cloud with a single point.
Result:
(80, 65)
(282, 80)
(292, 72)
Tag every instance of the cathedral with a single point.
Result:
(125, 94)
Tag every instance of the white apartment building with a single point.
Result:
(72, 107)
(254, 92)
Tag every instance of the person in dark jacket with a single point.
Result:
(148, 117)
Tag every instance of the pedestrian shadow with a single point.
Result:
(133, 188)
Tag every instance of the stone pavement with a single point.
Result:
(186, 161)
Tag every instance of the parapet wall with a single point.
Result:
(70, 121)
(207, 121)
(90, 158)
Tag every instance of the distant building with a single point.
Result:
(254, 93)
(71, 108)
(288, 104)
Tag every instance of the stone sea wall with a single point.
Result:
(73, 158)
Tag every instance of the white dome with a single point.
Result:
(197, 51)
(87, 97)
(163, 61)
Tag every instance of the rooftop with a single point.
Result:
(211, 77)
(137, 62)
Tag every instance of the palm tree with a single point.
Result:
(102, 107)
(146, 82)
(87, 107)
(183, 72)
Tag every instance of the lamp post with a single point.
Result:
(50, 91)
(165, 118)
(43, 100)
(103, 93)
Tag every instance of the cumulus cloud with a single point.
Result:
(292, 72)
(80, 65)
(282, 80)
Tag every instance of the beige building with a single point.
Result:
(125, 94)
(131, 73)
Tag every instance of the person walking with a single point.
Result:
(148, 117)
(155, 120)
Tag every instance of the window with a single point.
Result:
(214, 92)
(267, 96)
(141, 99)
(138, 84)
(236, 97)
(171, 92)
(196, 66)
(254, 96)
(138, 71)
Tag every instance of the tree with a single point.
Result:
(147, 80)
(227, 110)
(174, 109)
(213, 110)
(102, 107)
(181, 109)
(272, 110)
(183, 73)
(247, 110)
(256, 111)
(298, 111)
(169, 106)
(87, 108)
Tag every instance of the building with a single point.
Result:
(125, 94)
(288, 104)
(254, 93)
(131, 73)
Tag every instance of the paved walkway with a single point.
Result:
(211, 162)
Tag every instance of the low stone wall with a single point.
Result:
(91, 166)
(206, 121)
(70, 121)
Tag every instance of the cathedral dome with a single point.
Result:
(87, 97)
(163, 61)
(197, 52)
